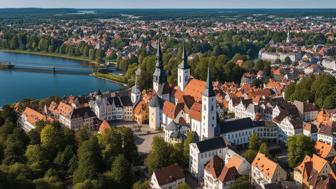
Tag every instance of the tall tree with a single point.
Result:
(89, 161)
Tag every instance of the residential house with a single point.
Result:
(29, 119)
(112, 107)
(310, 130)
(167, 178)
(218, 175)
(103, 127)
(308, 111)
(202, 152)
(265, 171)
(324, 150)
(311, 170)
(140, 112)
(77, 118)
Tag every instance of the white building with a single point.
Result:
(201, 152)
(112, 107)
(29, 118)
(238, 131)
(329, 63)
(77, 118)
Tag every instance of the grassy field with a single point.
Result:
(112, 77)
(79, 58)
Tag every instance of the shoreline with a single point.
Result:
(124, 84)
(53, 55)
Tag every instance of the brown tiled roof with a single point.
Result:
(215, 166)
(228, 174)
(169, 174)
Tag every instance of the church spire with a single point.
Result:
(208, 86)
(159, 61)
(184, 64)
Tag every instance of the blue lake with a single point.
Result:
(16, 85)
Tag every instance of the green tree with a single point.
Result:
(130, 150)
(122, 172)
(160, 156)
(141, 185)
(92, 54)
(288, 61)
(36, 159)
(241, 183)
(264, 149)
(89, 161)
(249, 155)
(254, 142)
(110, 143)
(191, 138)
(51, 139)
(87, 184)
(183, 186)
(298, 147)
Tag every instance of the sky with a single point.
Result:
(168, 3)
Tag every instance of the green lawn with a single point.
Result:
(112, 77)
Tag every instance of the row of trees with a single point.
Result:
(33, 42)
(318, 89)
(56, 157)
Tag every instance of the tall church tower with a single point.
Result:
(288, 40)
(183, 71)
(159, 76)
(209, 115)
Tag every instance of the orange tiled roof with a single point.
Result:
(140, 107)
(170, 109)
(33, 116)
(265, 165)
(195, 89)
(322, 149)
(103, 126)
(64, 109)
(317, 163)
(235, 161)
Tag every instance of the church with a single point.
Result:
(188, 106)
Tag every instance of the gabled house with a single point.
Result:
(324, 150)
(219, 175)
(311, 170)
(167, 178)
(264, 171)
(29, 119)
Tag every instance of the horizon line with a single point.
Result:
(170, 8)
